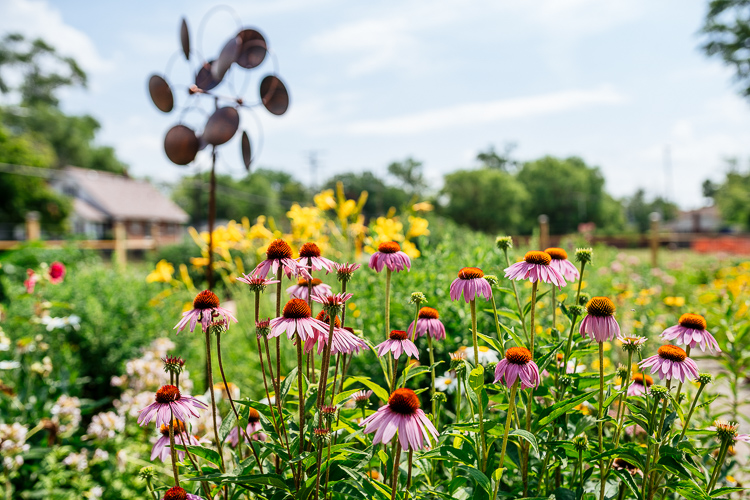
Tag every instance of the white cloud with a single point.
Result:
(37, 18)
(478, 113)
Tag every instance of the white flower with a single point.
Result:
(77, 461)
(67, 413)
(105, 425)
(95, 492)
(486, 355)
(100, 455)
(446, 383)
(9, 365)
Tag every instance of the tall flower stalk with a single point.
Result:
(505, 243)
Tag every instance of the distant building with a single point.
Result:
(702, 220)
(101, 198)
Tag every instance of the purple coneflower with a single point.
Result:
(535, 267)
(296, 318)
(345, 271)
(161, 447)
(397, 343)
(640, 385)
(671, 362)
(311, 252)
(254, 430)
(389, 255)
(169, 402)
(344, 341)
(402, 414)
(279, 254)
(471, 284)
(561, 264)
(600, 323)
(257, 283)
(205, 309)
(361, 398)
(301, 289)
(727, 431)
(517, 364)
(177, 493)
(428, 323)
(691, 331)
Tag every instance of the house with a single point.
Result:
(101, 199)
(702, 220)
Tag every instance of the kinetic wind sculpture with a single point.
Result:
(247, 50)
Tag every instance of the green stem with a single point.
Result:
(518, 300)
(532, 326)
(432, 372)
(301, 392)
(396, 463)
(692, 409)
(480, 404)
(213, 398)
(600, 423)
(508, 417)
(623, 402)
(679, 386)
(554, 307)
(172, 450)
(497, 327)
(395, 372)
(569, 345)
(717, 467)
(388, 309)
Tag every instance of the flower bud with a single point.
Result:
(173, 364)
(577, 310)
(705, 378)
(581, 442)
(584, 298)
(322, 434)
(328, 413)
(622, 372)
(584, 255)
(147, 472)
(565, 380)
(504, 243)
(491, 279)
(659, 392)
(417, 298)
(217, 327)
(263, 328)
(439, 397)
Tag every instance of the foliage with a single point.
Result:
(639, 210)
(727, 32)
(569, 192)
(411, 175)
(380, 196)
(20, 194)
(486, 199)
(732, 195)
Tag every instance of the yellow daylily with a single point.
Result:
(162, 273)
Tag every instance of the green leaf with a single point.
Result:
(477, 475)
(287, 384)
(547, 415)
(476, 378)
(381, 393)
(343, 396)
(564, 494)
(226, 426)
(726, 491)
(545, 360)
(205, 453)
(527, 436)
(492, 342)
(266, 479)
(513, 335)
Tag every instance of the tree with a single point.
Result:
(639, 210)
(35, 109)
(381, 197)
(410, 173)
(732, 196)
(20, 194)
(569, 192)
(485, 199)
(727, 30)
(502, 161)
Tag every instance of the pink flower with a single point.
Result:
(671, 362)
(728, 431)
(205, 309)
(402, 414)
(389, 255)
(257, 283)
(428, 323)
(296, 318)
(398, 343)
(170, 404)
(300, 290)
(161, 447)
(311, 252)
(600, 323)
(279, 255)
(344, 342)
(254, 430)
(31, 281)
(517, 364)
(640, 384)
(561, 264)
(345, 271)
(56, 272)
(471, 284)
(691, 331)
(535, 267)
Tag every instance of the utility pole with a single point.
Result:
(312, 158)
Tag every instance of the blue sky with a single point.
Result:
(371, 82)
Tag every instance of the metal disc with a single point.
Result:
(205, 79)
(274, 95)
(160, 93)
(221, 126)
(252, 49)
(181, 145)
(246, 151)
(185, 39)
(227, 56)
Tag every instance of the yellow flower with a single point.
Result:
(162, 273)
(674, 301)
(325, 200)
(595, 364)
(259, 231)
(306, 222)
(583, 409)
(417, 227)
(388, 229)
(199, 261)
(423, 206)
(409, 249)
(346, 209)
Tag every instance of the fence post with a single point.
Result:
(121, 250)
(543, 232)
(155, 233)
(655, 217)
(33, 231)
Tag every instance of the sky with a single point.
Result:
(622, 85)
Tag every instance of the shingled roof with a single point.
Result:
(123, 198)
